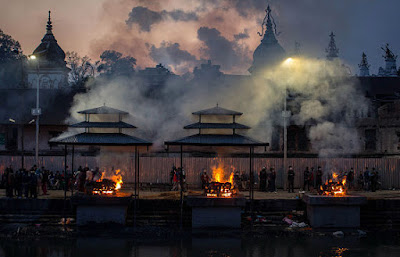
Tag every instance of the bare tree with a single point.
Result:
(82, 69)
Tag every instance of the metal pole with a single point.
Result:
(134, 204)
(37, 118)
(251, 189)
(181, 182)
(65, 182)
(22, 146)
(285, 141)
(72, 170)
(138, 173)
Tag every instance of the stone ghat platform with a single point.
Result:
(216, 212)
(334, 212)
(100, 209)
(376, 214)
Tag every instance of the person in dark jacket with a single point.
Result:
(263, 179)
(271, 180)
(318, 183)
(33, 184)
(306, 179)
(26, 183)
(291, 179)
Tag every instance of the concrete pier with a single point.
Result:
(208, 212)
(334, 212)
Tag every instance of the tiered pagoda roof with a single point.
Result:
(96, 138)
(202, 139)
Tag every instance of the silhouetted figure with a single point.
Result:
(263, 179)
(271, 180)
(366, 179)
(205, 179)
(306, 179)
(291, 179)
(171, 174)
(350, 179)
(373, 178)
(318, 183)
(33, 184)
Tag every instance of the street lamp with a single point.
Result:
(285, 114)
(36, 111)
(22, 138)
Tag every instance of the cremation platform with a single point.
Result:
(100, 209)
(209, 212)
(334, 212)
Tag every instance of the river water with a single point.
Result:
(385, 246)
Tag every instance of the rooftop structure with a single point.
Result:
(269, 52)
(220, 139)
(332, 51)
(390, 69)
(49, 67)
(92, 136)
(364, 66)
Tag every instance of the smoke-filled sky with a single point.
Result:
(182, 33)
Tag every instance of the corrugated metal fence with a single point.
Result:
(157, 169)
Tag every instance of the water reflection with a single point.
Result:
(196, 247)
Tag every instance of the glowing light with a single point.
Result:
(32, 57)
(288, 61)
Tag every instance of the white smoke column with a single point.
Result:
(325, 100)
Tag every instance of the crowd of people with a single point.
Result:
(178, 179)
(37, 181)
(30, 183)
(368, 180)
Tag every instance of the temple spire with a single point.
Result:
(332, 51)
(49, 27)
(364, 66)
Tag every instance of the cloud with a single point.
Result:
(145, 17)
(171, 54)
(241, 35)
(218, 48)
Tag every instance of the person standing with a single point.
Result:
(306, 179)
(373, 179)
(366, 179)
(318, 183)
(175, 180)
(350, 178)
(271, 180)
(204, 179)
(26, 183)
(172, 174)
(33, 184)
(263, 179)
(291, 175)
(45, 181)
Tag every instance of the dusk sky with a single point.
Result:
(183, 33)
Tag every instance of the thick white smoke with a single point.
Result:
(323, 97)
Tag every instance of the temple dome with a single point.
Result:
(49, 52)
(269, 52)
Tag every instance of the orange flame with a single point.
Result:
(117, 178)
(334, 186)
(218, 175)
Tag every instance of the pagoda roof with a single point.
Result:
(87, 124)
(103, 110)
(217, 111)
(200, 125)
(217, 140)
(104, 139)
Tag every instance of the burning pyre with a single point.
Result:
(220, 186)
(334, 186)
(108, 185)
